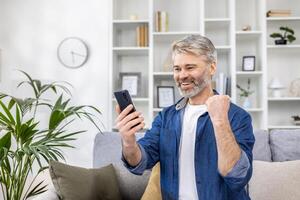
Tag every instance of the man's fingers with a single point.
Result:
(124, 112)
(134, 122)
(137, 128)
(118, 109)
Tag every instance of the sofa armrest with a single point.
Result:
(50, 194)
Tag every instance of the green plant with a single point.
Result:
(288, 34)
(245, 92)
(24, 142)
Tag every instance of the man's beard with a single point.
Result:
(198, 87)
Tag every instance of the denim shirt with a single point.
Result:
(161, 144)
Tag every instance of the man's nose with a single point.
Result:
(183, 74)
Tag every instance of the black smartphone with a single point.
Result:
(124, 99)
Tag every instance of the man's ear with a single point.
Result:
(213, 68)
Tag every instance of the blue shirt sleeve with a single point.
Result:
(140, 168)
(240, 169)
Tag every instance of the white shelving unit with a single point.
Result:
(223, 25)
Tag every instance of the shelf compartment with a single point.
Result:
(252, 15)
(273, 27)
(182, 17)
(249, 46)
(125, 35)
(219, 11)
(123, 9)
(281, 112)
(219, 33)
(284, 5)
(255, 85)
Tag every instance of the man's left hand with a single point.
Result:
(217, 107)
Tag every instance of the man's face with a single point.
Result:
(192, 73)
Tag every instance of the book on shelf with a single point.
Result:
(142, 35)
(279, 13)
(161, 21)
(222, 84)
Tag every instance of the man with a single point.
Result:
(203, 142)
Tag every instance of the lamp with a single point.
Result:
(276, 87)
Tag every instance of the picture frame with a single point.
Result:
(165, 96)
(248, 63)
(131, 81)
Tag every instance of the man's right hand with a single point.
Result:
(128, 125)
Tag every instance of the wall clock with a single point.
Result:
(72, 52)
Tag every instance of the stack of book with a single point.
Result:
(142, 35)
(279, 13)
(161, 21)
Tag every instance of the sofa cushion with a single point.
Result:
(108, 149)
(153, 191)
(261, 149)
(275, 180)
(84, 184)
(285, 145)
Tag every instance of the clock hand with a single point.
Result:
(77, 54)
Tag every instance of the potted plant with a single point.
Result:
(245, 93)
(288, 35)
(24, 142)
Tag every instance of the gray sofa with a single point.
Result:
(278, 145)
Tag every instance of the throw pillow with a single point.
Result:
(275, 180)
(153, 191)
(79, 183)
(285, 145)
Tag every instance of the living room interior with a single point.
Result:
(93, 48)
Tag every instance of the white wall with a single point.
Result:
(30, 31)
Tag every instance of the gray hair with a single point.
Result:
(197, 45)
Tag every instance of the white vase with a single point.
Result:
(247, 103)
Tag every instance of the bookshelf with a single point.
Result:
(223, 24)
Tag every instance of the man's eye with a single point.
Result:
(176, 69)
(190, 68)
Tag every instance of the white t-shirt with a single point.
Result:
(187, 178)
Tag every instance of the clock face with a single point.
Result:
(72, 52)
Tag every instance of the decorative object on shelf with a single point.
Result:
(167, 65)
(72, 52)
(248, 63)
(165, 96)
(161, 21)
(133, 17)
(246, 93)
(294, 88)
(276, 87)
(142, 35)
(131, 81)
(288, 35)
(246, 28)
(296, 120)
(27, 144)
(278, 13)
